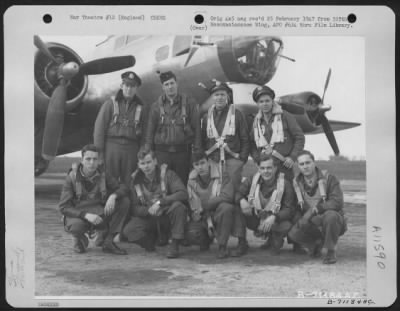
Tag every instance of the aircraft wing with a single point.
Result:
(336, 126)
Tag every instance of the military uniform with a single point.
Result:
(280, 135)
(81, 195)
(329, 223)
(225, 137)
(272, 197)
(119, 132)
(143, 228)
(211, 200)
(173, 129)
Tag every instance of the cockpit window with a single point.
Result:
(133, 38)
(181, 45)
(162, 53)
(119, 42)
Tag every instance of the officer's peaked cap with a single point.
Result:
(263, 90)
(131, 78)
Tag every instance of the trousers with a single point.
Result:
(121, 159)
(234, 168)
(179, 162)
(227, 221)
(327, 226)
(170, 223)
(278, 230)
(113, 224)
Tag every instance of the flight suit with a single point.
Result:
(81, 195)
(143, 228)
(238, 143)
(119, 137)
(173, 129)
(283, 220)
(329, 223)
(213, 198)
(293, 140)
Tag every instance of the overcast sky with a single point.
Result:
(314, 56)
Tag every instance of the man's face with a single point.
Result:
(306, 165)
(129, 90)
(267, 169)
(220, 99)
(265, 103)
(170, 88)
(202, 167)
(90, 162)
(147, 165)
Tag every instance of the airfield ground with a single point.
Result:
(61, 272)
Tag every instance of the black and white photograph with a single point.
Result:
(308, 82)
(200, 167)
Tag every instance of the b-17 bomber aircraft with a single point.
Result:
(68, 92)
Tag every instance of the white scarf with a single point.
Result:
(229, 127)
(277, 128)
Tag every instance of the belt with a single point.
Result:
(222, 146)
(172, 148)
(121, 140)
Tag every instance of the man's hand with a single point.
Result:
(196, 215)
(266, 224)
(93, 219)
(246, 207)
(155, 209)
(288, 162)
(315, 210)
(110, 205)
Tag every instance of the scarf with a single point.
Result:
(277, 128)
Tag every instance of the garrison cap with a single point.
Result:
(165, 76)
(263, 90)
(131, 78)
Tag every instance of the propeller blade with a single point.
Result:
(193, 50)
(329, 133)
(328, 77)
(54, 121)
(43, 47)
(106, 65)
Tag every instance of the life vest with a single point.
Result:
(228, 130)
(143, 194)
(259, 203)
(197, 194)
(79, 189)
(277, 130)
(320, 194)
(164, 119)
(118, 119)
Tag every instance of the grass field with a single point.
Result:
(355, 170)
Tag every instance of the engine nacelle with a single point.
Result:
(46, 79)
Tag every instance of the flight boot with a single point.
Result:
(241, 249)
(81, 242)
(223, 252)
(330, 257)
(110, 247)
(298, 249)
(173, 251)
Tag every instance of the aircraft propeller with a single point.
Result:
(323, 120)
(65, 72)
